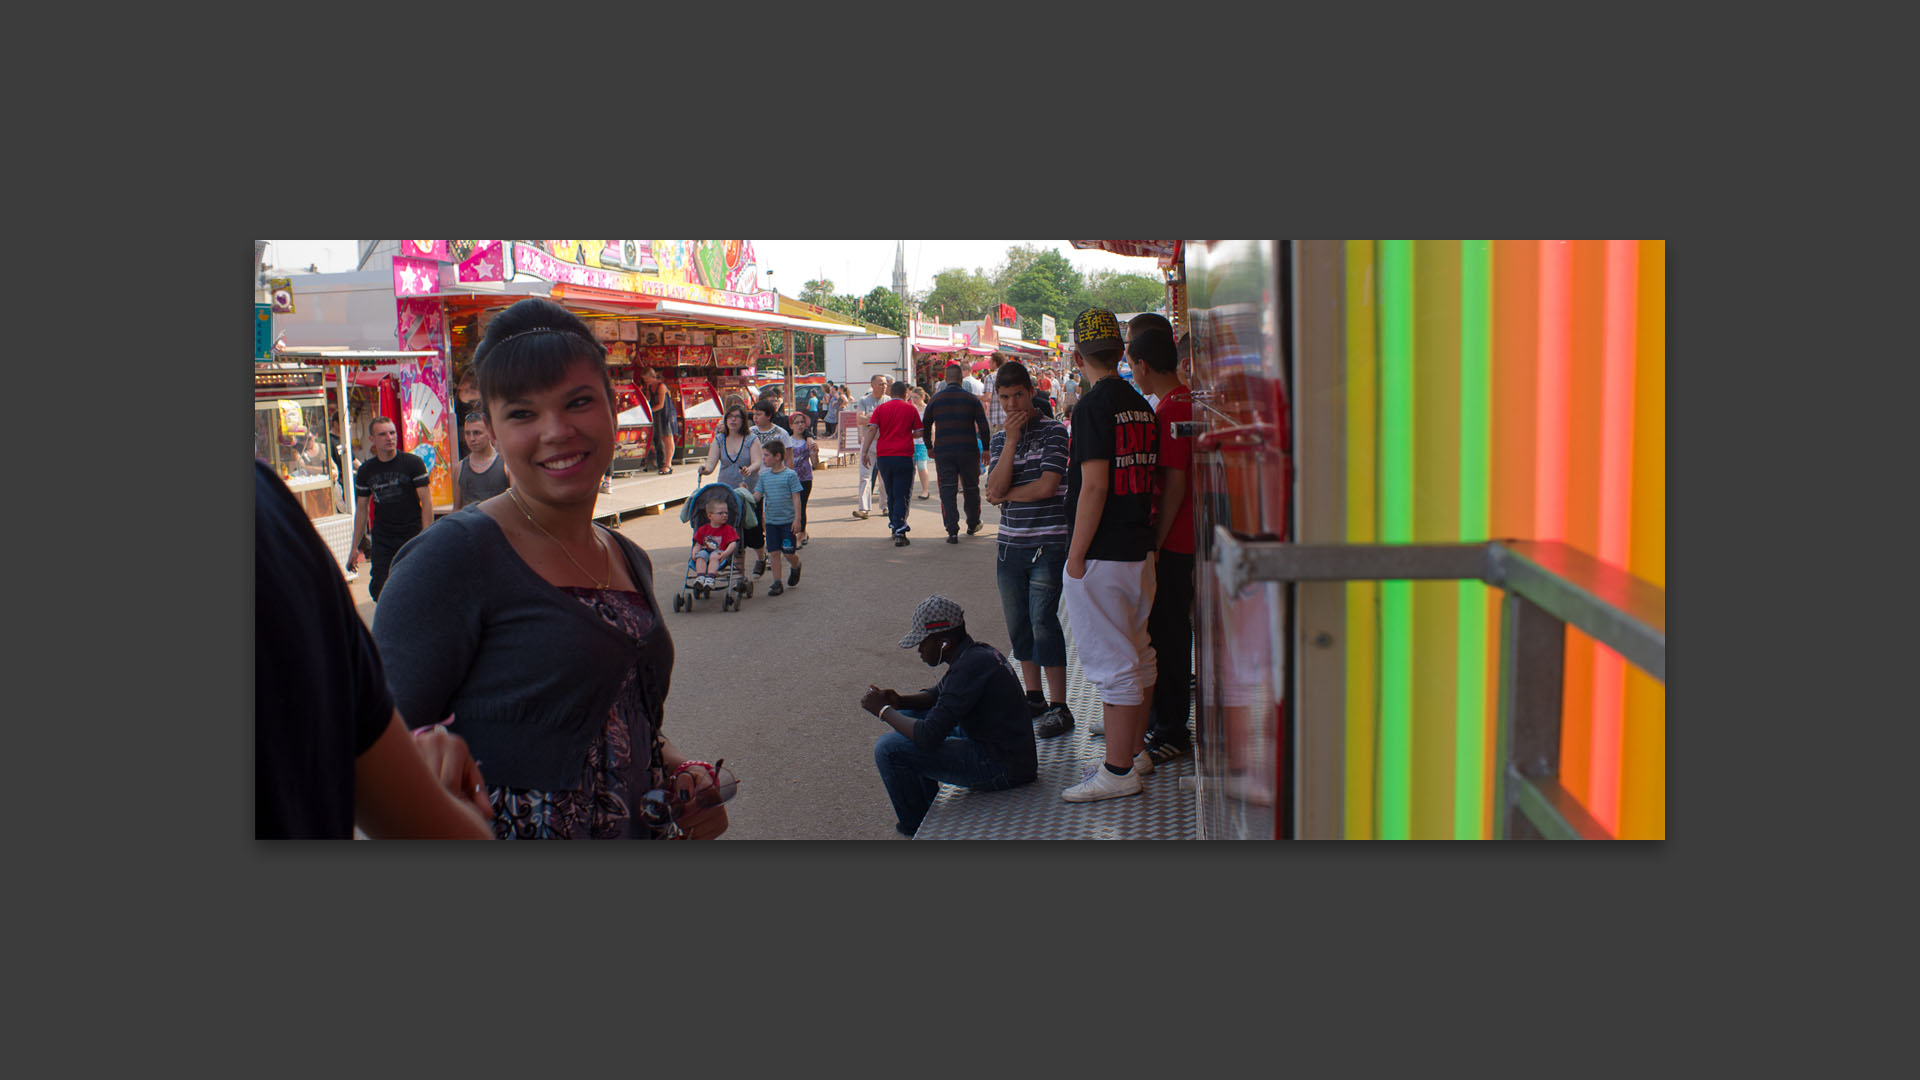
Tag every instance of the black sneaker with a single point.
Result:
(1161, 751)
(1035, 706)
(760, 566)
(793, 576)
(1057, 720)
(953, 538)
(975, 527)
(776, 589)
(899, 539)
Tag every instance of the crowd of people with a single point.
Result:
(521, 644)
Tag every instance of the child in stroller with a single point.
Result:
(715, 511)
(714, 545)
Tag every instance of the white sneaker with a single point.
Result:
(1097, 726)
(1142, 764)
(1103, 785)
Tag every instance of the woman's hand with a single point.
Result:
(707, 822)
(1076, 567)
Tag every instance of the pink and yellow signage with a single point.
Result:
(721, 272)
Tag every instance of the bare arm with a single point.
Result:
(397, 796)
(1034, 490)
(1176, 489)
(426, 507)
(1000, 480)
(459, 490)
(713, 457)
(359, 530)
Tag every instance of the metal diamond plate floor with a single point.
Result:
(1162, 811)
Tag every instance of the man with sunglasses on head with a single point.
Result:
(972, 728)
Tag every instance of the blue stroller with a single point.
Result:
(733, 585)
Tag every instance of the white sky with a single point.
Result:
(854, 266)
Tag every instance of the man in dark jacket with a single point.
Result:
(972, 728)
(956, 433)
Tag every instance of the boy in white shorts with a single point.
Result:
(1108, 584)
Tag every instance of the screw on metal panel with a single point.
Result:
(1323, 639)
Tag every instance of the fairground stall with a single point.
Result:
(935, 345)
(408, 387)
(311, 411)
(1430, 535)
(291, 418)
(692, 311)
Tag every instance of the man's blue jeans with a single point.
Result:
(1029, 581)
(896, 475)
(913, 776)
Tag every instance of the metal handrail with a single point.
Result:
(1549, 586)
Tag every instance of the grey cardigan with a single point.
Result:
(464, 626)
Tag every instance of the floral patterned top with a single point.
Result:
(613, 776)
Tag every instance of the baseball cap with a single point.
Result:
(935, 614)
(1096, 328)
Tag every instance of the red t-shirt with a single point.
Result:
(720, 538)
(1175, 454)
(896, 418)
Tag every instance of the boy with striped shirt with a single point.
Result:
(1026, 485)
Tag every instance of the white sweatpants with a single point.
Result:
(867, 470)
(1107, 615)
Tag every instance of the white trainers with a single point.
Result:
(1097, 726)
(1142, 764)
(1103, 785)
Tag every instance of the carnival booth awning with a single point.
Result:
(687, 312)
(1144, 249)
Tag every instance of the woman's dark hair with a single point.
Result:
(731, 409)
(1012, 373)
(529, 347)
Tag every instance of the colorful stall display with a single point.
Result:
(1507, 389)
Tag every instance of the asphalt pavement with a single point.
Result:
(774, 688)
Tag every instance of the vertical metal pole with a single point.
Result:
(787, 345)
(1317, 694)
(1532, 659)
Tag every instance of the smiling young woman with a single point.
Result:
(552, 660)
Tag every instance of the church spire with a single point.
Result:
(900, 269)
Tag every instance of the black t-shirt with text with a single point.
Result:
(396, 488)
(1113, 423)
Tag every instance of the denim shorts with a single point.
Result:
(780, 537)
(1029, 581)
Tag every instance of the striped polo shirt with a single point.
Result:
(1042, 448)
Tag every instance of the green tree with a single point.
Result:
(1049, 285)
(817, 292)
(1019, 258)
(958, 295)
(1124, 292)
(882, 308)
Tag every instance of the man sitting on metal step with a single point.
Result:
(972, 728)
